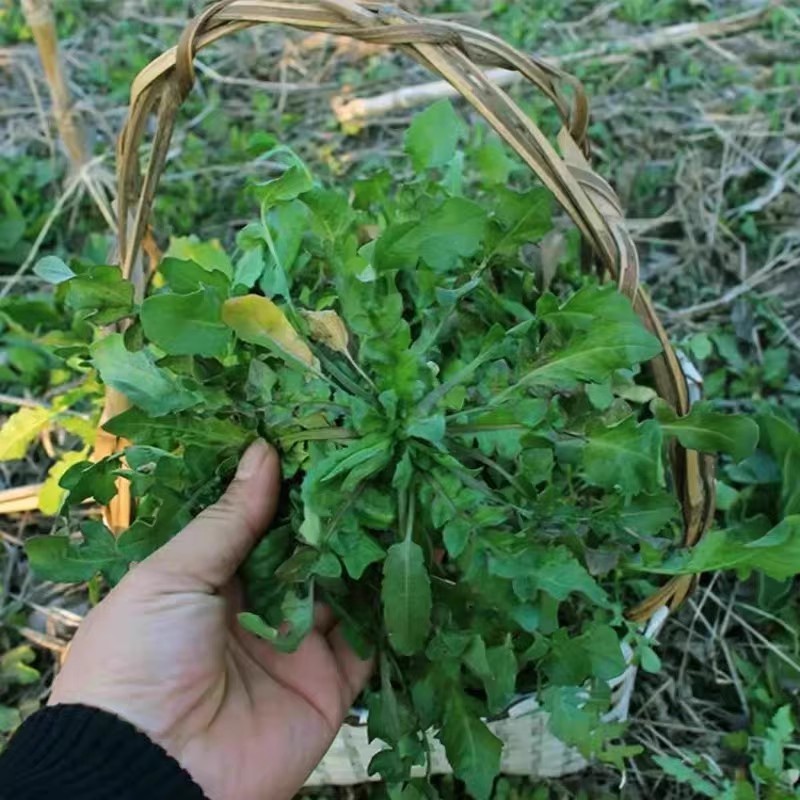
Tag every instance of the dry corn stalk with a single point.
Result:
(87, 174)
(39, 16)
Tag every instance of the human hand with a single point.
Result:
(165, 652)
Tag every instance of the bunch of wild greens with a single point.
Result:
(475, 481)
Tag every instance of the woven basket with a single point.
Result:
(456, 53)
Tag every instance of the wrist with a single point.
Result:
(92, 753)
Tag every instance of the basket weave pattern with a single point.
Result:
(456, 53)
(528, 749)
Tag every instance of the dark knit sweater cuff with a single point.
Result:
(71, 751)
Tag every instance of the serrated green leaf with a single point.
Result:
(327, 566)
(494, 165)
(560, 574)
(20, 430)
(288, 224)
(391, 766)
(524, 218)
(155, 390)
(472, 749)
(605, 654)
(586, 307)
(782, 440)
(709, 431)
(647, 514)
(453, 231)
(186, 324)
(600, 395)
(389, 717)
(555, 571)
(100, 294)
(626, 456)
(574, 718)
(331, 215)
(594, 355)
(431, 429)
(294, 182)
(455, 535)
(567, 661)
(185, 277)
(168, 430)
(59, 558)
(683, 773)
(360, 459)
(433, 136)
(356, 549)
(776, 553)
(497, 669)
(406, 597)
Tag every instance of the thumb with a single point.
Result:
(211, 548)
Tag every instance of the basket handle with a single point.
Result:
(454, 52)
(449, 49)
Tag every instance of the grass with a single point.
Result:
(702, 141)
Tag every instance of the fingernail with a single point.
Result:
(252, 460)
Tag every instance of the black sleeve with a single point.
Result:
(73, 752)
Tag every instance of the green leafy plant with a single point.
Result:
(479, 453)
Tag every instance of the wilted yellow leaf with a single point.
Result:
(327, 328)
(258, 320)
(20, 430)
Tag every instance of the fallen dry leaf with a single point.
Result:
(328, 328)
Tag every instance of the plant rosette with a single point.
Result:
(474, 464)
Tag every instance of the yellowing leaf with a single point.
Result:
(51, 495)
(84, 429)
(20, 430)
(258, 320)
(209, 255)
(327, 327)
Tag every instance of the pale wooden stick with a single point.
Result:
(363, 109)
(22, 498)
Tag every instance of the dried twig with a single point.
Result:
(72, 188)
(20, 402)
(785, 260)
